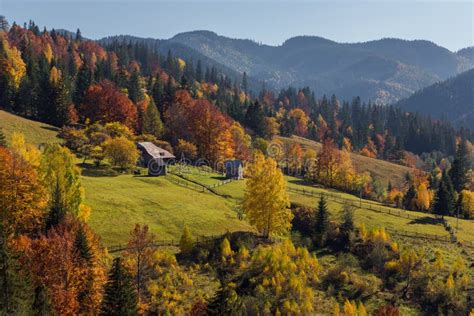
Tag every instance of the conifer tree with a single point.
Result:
(186, 241)
(199, 71)
(409, 196)
(158, 94)
(152, 123)
(460, 167)
(82, 245)
(120, 298)
(255, 117)
(83, 81)
(347, 224)
(322, 221)
(78, 35)
(444, 201)
(135, 92)
(245, 85)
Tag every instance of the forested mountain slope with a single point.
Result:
(452, 99)
(382, 71)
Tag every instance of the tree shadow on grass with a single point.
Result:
(50, 128)
(90, 170)
(426, 220)
(299, 181)
(220, 178)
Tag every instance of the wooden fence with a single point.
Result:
(164, 243)
(187, 184)
(378, 208)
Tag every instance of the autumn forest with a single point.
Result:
(343, 207)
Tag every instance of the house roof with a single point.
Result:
(155, 151)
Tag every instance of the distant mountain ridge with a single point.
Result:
(384, 70)
(452, 99)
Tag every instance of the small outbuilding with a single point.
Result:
(234, 169)
(154, 158)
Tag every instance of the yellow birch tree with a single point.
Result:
(266, 202)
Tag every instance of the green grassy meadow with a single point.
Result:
(35, 132)
(119, 201)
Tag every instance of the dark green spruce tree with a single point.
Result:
(135, 92)
(152, 123)
(409, 196)
(83, 81)
(82, 245)
(460, 167)
(199, 71)
(444, 201)
(322, 222)
(255, 117)
(120, 298)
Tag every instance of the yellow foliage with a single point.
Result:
(394, 247)
(11, 63)
(266, 201)
(29, 152)
(463, 281)
(48, 53)
(450, 282)
(181, 64)
(186, 241)
(226, 251)
(439, 261)
(84, 213)
(336, 311)
(361, 310)
(349, 308)
(423, 197)
(467, 203)
(392, 265)
(459, 265)
(286, 274)
(54, 75)
(170, 287)
(363, 232)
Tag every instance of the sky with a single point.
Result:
(447, 23)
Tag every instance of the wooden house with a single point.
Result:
(234, 169)
(156, 159)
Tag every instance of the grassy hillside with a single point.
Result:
(35, 132)
(118, 202)
(383, 170)
(398, 220)
(372, 214)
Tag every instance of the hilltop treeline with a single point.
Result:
(57, 78)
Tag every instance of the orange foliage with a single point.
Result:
(201, 123)
(104, 103)
(54, 263)
(22, 196)
(301, 121)
(369, 150)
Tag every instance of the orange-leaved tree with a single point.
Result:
(103, 102)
